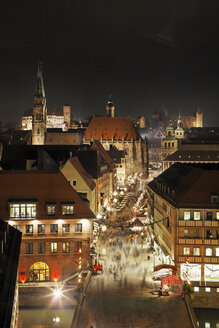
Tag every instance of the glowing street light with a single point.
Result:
(57, 293)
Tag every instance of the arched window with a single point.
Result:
(165, 145)
(168, 144)
(39, 271)
(172, 144)
(38, 130)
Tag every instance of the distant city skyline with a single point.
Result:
(148, 55)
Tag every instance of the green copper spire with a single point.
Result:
(39, 88)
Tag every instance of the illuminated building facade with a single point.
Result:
(184, 201)
(56, 224)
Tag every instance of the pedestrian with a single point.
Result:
(149, 257)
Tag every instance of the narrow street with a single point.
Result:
(124, 294)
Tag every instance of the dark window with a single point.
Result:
(209, 234)
(54, 228)
(51, 209)
(65, 228)
(217, 234)
(74, 182)
(214, 199)
(186, 233)
(209, 216)
(197, 234)
(78, 227)
(78, 246)
(29, 228)
(66, 247)
(29, 248)
(41, 228)
(41, 248)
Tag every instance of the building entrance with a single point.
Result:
(39, 271)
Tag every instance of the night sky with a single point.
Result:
(150, 54)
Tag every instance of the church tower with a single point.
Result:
(199, 118)
(110, 108)
(39, 110)
(179, 132)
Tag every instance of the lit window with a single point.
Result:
(208, 252)
(41, 228)
(186, 215)
(186, 233)
(196, 251)
(196, 289)
(29, 248)
(217, 290)
(186, 251)
(217, 251)
(65, 228)
(54, 248)
(67, 209)
(209, 234)
(217, 325)
(78, 227)
(217, 215)
(54, 228)
(51, 209)
(207, 289)
(41, 248)
(29, 228)
(22, 210)
(197, 215)
(66, 247)
(207, 325)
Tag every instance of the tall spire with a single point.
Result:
(39, 87)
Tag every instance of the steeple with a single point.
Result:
(179, 122)
(39, 87)
(110, 108)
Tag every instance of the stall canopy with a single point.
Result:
(171, 285)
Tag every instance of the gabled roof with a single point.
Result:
(83, 173)
(45, 186)
(98, 146)
(186, 185)
(111, 128)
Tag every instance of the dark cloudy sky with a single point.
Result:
(150, 54)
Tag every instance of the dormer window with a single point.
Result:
(22, 209)
(214, 199)
(68, 208)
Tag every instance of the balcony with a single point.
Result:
(190, 241)
(211, 241)
(191, 259)
(211, 259)
(211, 223)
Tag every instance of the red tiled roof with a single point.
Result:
(83, 173)
(98, 146)
(108, 128)
(45, 186)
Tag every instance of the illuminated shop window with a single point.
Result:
(68, 209)
(196, 289)
(186, 251)
(51, 209)
(54, 247)
(78, 227)
(39, 271)
(22, 210)
(193, 271)
(207, 325)
(208, 251)
(197, 215)
(66, 247)
(186, 215)
(196, 251)
(65, 228)
(207, 289)
(211, 272)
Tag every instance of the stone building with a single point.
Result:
(121, 133)
(183, 206)
(56, 224)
